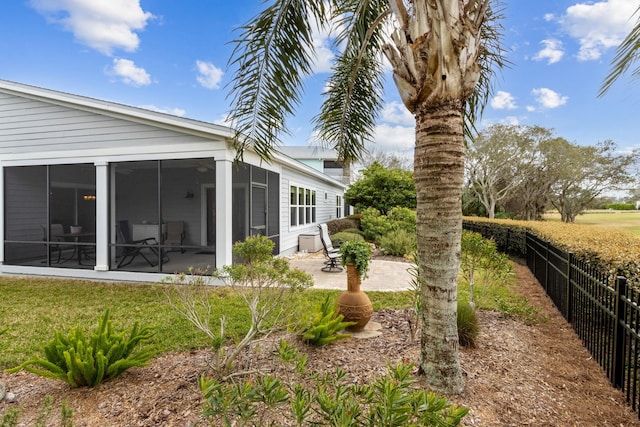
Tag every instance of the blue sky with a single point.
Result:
(172, 56)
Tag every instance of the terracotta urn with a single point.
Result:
(354, 304)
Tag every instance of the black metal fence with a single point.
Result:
(603, 310)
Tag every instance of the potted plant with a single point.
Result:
(357, 254)
(354, 304)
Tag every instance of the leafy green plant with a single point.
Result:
(266, 285)
(468, 326)
(326, 326)
(398, 243)
(343, 236)
(357, 253)
(402, 218)
(10, 418)
(374, 225)
(480, 258)
(341, 224)
(330, 399)
(288, 353)
(87, 362)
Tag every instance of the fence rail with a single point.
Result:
(603, 310)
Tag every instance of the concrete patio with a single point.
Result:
(383, 275)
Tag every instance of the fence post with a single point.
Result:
(619, 334)
(569, 313)
(546, 267)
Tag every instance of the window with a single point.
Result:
(302, 206)
(338, 206)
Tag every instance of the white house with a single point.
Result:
(153, 193)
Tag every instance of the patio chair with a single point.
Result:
(324, 236)
(56, 232)
(175, 234)
(133, 248)
(332, 264)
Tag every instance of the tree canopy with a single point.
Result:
(529, 169)
(382, 188)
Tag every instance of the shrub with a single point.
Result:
(480, 258)
(620, 206)
(267, 285)
(337, 225)
(331, 399)
(326, 326)
(344, 236)
(382, 188)
(468, 326)
(398, 243)
(374, 225)
(402, 218)
(86, 362)
(604, 247)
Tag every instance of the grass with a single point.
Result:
(627, 221)
(500, 297)
(32, 308)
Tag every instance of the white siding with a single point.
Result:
(28, 125)
(326, 207)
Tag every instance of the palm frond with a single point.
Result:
(627, 54)
(271, 57)
(491, 60)
(354, 95)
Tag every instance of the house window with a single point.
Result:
(302, 206)
(338, 206)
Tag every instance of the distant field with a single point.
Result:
(628, 221)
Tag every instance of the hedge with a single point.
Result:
(607, 248)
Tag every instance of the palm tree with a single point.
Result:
(443, 53)
(627, 54)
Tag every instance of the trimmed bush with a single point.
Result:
(620, 206)
(603, 247)
(403, 218)
(398, 243)
(342, 224)
(344, 236)
(375, 225)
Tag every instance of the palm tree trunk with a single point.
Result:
(439, 175)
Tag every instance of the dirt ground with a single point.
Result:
(519, 375)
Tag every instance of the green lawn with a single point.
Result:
(32, 308)
(628, 221)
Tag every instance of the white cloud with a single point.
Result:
(511, 120)
(397, 113)
(548, 98)
(599, 26)
(552, 51)
(101, 25)
(174, 111)
(503, 100)
(394, 138)
(209, 76)
(129, 73)
(324, 57)
(530, 108)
